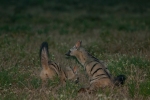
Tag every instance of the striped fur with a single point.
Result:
(51, 69)
(99, 75)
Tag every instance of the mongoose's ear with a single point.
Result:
(78, 44)
(75, 68)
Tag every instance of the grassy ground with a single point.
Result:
(117, 32)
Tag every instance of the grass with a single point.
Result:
(114, 31)
(133, 66)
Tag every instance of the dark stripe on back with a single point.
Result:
(98, 78)
(92, 56)
(65, 74)
(53, 65)
(100, 75)
(93, 67)
(87, 63)
(96, 71)
(56, 68)
(105, 68)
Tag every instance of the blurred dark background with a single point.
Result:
(126, 15)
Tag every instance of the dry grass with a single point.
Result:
(115, 32)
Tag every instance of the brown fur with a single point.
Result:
(50, 69)
(97, 71)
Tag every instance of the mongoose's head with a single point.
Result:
(72, 74)
(75, 50)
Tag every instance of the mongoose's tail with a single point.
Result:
(44, 55)
(119, 80)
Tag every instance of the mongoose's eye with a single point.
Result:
(75, 47)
